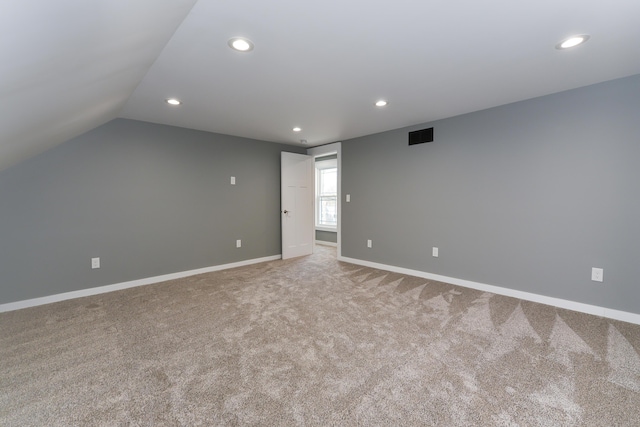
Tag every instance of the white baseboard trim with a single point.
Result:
(126, 285)
(528, 296)
(325, 243)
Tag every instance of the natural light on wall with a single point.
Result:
(327, 194)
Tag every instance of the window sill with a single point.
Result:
(325, 228)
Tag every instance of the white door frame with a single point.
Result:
(324, 150)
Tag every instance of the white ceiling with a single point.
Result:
(69, 66)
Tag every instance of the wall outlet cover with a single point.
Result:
(95, 263)
(597, 274)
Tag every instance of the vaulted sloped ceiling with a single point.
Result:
(69, 66)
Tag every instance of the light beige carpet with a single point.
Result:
(314, 342)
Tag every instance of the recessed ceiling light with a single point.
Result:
(297, 129)
(381, 103)
(241, 44)
(572, 41)
(172, 101)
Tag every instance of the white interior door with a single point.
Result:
(296, 204)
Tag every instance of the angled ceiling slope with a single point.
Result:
(69, 66)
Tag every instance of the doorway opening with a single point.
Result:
(326, 200)
(327, 190)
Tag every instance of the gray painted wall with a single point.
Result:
(527, 196)
(325, 158)
(327, 236)
(147, 199)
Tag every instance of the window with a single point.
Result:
(326, 194)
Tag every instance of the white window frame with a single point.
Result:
(322, 165)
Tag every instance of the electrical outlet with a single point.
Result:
(369, 244)
(238, 243)
(348, 198)
(95, 263)
(597, 274)
(233, 180)
(434, 252)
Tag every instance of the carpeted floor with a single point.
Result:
(314, 342)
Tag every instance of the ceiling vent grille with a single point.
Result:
(421, 136)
